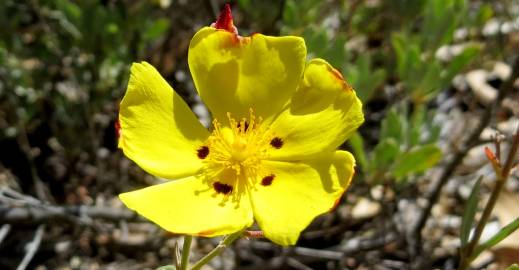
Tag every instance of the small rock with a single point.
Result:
(508, 127)
(488, 133)
(491, 28)
(477, 80)
(62, 247)
(502, 70)
(365, 208)
(447, 52)
(377, 192)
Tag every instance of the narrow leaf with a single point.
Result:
(417, 160)
(357, 145)
(166, 267)
(498, 237)
(385, 153)
(513, 267)
(470, 212)
(392, 126)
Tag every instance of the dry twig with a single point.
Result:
(32, 247)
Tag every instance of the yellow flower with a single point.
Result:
(271, 154)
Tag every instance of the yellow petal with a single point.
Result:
(158, 130)
(291, 195)
(323, 113)
(190, 206)
(234, 74)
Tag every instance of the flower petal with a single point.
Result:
(190, 206)
(234, 74)
(158, 130)
(291, 195)
(323, 113)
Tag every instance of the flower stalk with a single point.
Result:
(186, 248)
(227, 241)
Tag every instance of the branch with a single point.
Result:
(78, 215)
(32, 248)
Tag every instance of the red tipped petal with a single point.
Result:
(118, 128)
(224, 21)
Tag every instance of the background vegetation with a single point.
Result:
(436, 77)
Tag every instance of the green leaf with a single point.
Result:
(357, 144)
(513, 267)
(166, 267)
(470, 212)
(157, 28)
(398, 43)
(362, 77)
(385, 153)
(417, 120)
(417, 160)
(429, 85)
(392, 126)
(484, 14)
(244, 4)
(459, 62)
(498, 237)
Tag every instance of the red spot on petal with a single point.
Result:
(224, 21)
(267, 180)
(202, 152)
(276, 142)
(222, 188)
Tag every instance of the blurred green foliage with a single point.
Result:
(65, 63)
(395, 41)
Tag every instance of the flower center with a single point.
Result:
(240, 146)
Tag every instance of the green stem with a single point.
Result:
(217, 250)
(184, 261)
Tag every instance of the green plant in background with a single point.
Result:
(406, 147)
(422, 76)
(362, 75)
(69, 62)
(328, 39)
